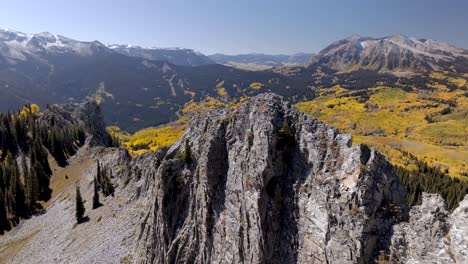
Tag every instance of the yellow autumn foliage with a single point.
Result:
(392, 119)
(28, 109)
(222, 91)
(149, 139)
(256, 86)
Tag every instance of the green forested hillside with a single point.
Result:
(24, 165)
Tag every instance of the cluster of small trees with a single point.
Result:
(101, 182)
(431, 180)
(63, 142)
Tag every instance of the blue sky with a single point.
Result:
(238, 26)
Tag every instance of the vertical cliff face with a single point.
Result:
(268, 184)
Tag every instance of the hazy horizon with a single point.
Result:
(240, 27)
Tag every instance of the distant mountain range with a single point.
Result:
(189, 57)
(139, 87)
(255, 61)
(134, 91)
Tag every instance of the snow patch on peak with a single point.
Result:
(16, 46)
(364, 44)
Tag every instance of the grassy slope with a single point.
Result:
(391, 119)
(63, 178)
(62, 183)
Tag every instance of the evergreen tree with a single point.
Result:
(17, 191)
(106, 184)
(4, 223)
(31, 190)
(96, 202)
(187, 157)
(98, 173)
(79, 205)
(432, 180)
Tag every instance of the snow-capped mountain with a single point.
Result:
(134, 91)
(141, 87)
(177, 56)
(393, 53)
(17, 46)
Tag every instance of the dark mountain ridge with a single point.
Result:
(176, 56)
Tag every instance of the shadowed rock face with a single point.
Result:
(268, 184)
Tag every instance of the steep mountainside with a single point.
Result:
(263, 183)
(176, 56)
(27, 138)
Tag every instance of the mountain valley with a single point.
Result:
(261, 61)
(189, 202)
(356, 154)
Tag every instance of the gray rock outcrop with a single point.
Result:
(267, 184)
(432, 234)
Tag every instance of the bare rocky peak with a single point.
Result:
(268, 184)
